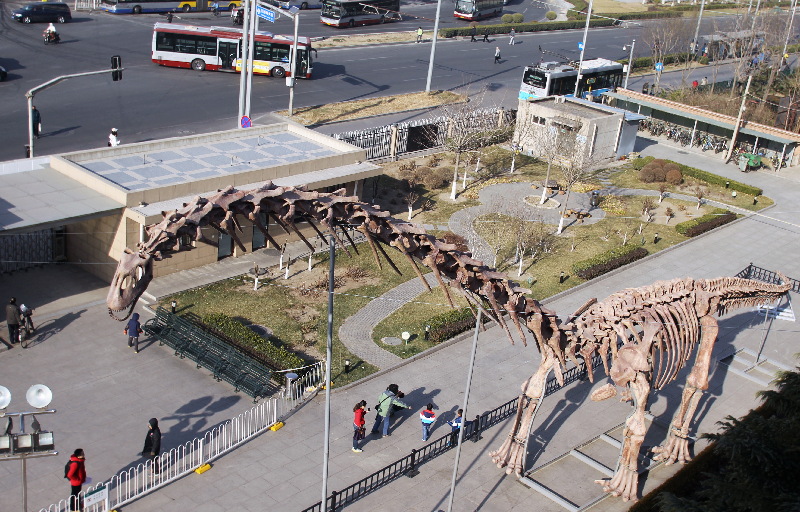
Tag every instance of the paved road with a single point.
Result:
(154, 102)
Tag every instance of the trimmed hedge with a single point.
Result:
(505, 28)
(710, 178)
(705, 223)
(641, 15)
(450, 323)
(716, 179)
(608, 261)
(274, 355)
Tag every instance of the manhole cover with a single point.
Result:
(264, 332)
(392, 340)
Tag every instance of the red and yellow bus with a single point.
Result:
(219, 49)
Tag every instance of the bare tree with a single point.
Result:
(662, 191)
(410, 198)
(574, 166)
(469, 129)
(648, 205)
(665, 37)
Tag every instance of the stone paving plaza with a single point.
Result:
(104, 393)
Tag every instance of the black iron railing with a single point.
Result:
(407, 466)
(768, 276)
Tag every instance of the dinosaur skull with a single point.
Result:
(133, 274)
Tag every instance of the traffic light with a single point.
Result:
(116, 66)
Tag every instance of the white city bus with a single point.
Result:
(558, 79)
(219, 49)
(474, 10)
(350, 13)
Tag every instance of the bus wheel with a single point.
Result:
(198, 65)
(352, 23)
(187, 8)
(137, 9)
(304, 6)
(278, 72)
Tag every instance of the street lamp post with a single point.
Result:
(583, 47)
(23, 446)
(433, 46)
(630, 63)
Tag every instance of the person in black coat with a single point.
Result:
(152, 443)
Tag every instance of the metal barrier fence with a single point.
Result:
(391, 141)
(133, 483)
(408, 464)
(768, 276)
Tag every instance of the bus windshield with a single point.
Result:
(465, 6)
(331, 9)
(534, 78)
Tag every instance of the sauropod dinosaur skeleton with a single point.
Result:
(660, 324)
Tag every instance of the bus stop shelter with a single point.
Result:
(701, 121)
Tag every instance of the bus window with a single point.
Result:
(535, 78)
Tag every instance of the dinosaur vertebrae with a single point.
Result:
(286, 206)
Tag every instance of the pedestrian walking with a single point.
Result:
(427, 417)
(359, 422)
(169, 16)
(472, 33)
(704, 81)
(455, 424)
(511, 36)
(113, 138)
(76, 474)
(385, 408)
(13, 320)
(419, 34)
(152, 444)
(36, 121)
(496, 54)
(133, 330)
(486, 35)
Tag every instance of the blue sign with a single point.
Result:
(659, 66)
(580, 46)
(265, 14)
(246, 122)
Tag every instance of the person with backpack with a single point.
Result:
(427, 417)
(383, 411)
(152, 443)
(133, 330)
(75, 472)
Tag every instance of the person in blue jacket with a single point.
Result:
(133, 330)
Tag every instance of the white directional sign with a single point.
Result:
(265, 14)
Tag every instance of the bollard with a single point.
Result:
(412, 471)
(476, 431)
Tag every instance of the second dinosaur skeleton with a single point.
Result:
(660, 325)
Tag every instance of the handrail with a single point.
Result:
(135, 482)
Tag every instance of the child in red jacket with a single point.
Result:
(359, 430)
(76, 476)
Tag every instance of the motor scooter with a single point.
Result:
(51, 38)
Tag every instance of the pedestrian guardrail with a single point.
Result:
(768, 276)
(133, 483)
(407, 466)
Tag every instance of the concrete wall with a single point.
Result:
(99, 242)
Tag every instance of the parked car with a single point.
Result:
(47, 12)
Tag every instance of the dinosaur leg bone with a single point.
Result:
(511, 453)
(676, 447)
(625, 481)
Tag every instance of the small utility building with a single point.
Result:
(605, 133)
